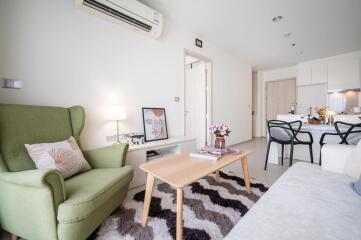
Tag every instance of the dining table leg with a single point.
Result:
(179, 214)
(244, 161)
(147, 198)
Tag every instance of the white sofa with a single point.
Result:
(307, 202)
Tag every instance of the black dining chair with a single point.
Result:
(287, 133)
(349, 133)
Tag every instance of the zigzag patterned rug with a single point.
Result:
(210, 211)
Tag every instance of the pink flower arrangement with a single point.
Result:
(220, 130)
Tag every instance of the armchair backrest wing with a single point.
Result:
(23, 124)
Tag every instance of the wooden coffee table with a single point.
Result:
(182, 170)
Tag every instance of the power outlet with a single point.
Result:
(11, 83)
(112, 138)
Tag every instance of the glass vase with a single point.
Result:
(220, 143)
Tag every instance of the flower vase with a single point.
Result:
(220, 143)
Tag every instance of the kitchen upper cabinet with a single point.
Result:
(344, 73)
(319, 72)
(304, 74)
(309, 73)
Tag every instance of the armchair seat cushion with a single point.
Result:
(90, 190)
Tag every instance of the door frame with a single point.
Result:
(209, 90)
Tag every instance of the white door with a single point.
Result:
(196, 102)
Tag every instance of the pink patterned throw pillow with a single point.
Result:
(64, 156)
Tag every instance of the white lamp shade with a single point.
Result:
(116, 112)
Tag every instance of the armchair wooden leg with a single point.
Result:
(14, 237)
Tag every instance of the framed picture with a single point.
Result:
(155, 124)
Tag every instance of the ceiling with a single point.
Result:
(319, 28)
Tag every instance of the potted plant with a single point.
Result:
(220, 130)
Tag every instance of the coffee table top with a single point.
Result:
(182, 170)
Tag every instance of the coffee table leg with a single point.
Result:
(179, 213)
(246, 174)
(216, 176)
(147, 198)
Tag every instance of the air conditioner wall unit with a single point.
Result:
(128, 13)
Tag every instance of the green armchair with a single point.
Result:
(39, 204)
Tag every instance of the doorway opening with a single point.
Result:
(197, 97)
(280, 97)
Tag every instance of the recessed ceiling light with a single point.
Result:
(277, 18)
(293, 44)
(286, 34)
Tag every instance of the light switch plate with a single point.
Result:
(11, 83)
(112, 138)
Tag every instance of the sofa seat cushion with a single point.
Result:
(304, 203)
(90, 190)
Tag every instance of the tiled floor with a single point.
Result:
(255, 162)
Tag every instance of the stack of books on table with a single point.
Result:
(212, 153)
(214, 156)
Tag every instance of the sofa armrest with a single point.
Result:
(334, 157)
(39, 178)
(107, 157)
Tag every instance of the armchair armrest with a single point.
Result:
(107, 157)
(29, 196)
(40, 178)
(334, 157)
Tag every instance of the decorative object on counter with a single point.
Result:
(329, 118)
(314, 121)
(220, 130)
(135, 138)
(322, 112)
(155, 124)
(116, 113)
(293, 110)
(356, 110)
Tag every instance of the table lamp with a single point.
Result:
(117, 113)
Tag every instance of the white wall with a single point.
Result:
(262, 78)
(65, 56)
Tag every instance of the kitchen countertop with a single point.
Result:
(320, 127)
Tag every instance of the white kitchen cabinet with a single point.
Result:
(314, 72)
(319, 72)
(304, 74)
(344, 73)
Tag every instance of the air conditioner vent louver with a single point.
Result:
(127, 13)
(114, 13)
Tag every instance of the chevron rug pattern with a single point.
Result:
(211, 209)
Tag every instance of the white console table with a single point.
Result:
(137, 154)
